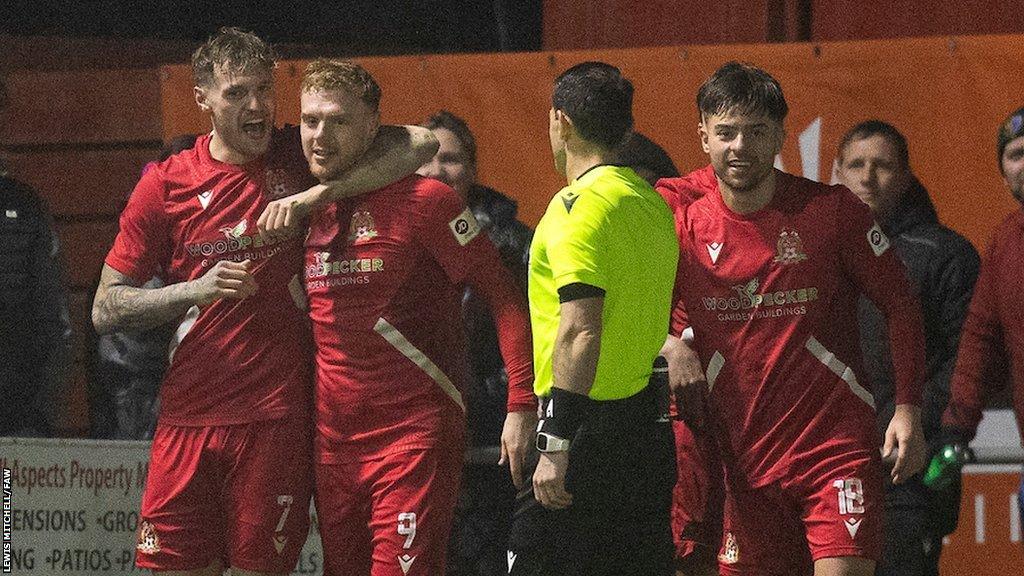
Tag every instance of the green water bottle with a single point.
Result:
(946, 465)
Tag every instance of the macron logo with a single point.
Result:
(852, 526)
(204, 198)
(511, 560)
(714, 249)
(405, 562)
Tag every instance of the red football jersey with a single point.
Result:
(234, 361)
(772, 300)
(385, 274)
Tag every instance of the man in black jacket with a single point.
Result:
(480, 531)
(873, 162)
(35, 330)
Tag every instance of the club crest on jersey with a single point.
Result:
(790, 248)
(235, 232)
(730, 553)
(148, 542)
(276, 183)
(362, 227)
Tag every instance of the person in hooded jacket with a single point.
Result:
(873, 162)
(481, 527)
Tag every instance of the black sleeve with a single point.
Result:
(53, 324)
(953, 282)
(578, 291)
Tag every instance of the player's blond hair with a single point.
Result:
(324, 74)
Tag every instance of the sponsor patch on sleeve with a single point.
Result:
(464, 227)
(877, 239)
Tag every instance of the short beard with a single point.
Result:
(754, 183)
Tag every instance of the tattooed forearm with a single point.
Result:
(121, 306)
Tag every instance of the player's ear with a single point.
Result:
(781, 137)
(565, 125)
(702, 131)
(200, 95)
(374, 127)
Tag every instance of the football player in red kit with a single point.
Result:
(230, 470)
(384, 273)
(771, 266)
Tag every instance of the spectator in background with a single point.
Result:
(125, 368)
(874, 163)
(991, 357)
(35, 328)
(480, 531)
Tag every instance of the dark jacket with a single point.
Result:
(35, 330)
(488, 387)
(942, 267)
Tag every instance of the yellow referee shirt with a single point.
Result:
(611, 230)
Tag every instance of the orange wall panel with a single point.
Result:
(85, 245)
(987, 540)
(946, 94)
(78, 182)
(81, 107)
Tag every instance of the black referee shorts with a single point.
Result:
(622, 467)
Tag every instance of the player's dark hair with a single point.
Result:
(742, 88)
(642, 152)
(869, 128)
(458, 127)
(598, 100)
(232, 49)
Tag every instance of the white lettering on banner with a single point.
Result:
(979, 519)
(810, 151)
(71, 507)
(1014, 518)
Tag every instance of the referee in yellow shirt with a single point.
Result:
(602, 267)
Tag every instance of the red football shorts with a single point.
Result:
(237, 493)
(389, 516)
(835, 509)
(697, 500)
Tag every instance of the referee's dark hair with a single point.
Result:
(869, 128)
(741, 88)
(598, 100)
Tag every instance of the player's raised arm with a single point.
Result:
(395, 152)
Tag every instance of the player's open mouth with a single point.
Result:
(320, 155)
(255, 128)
